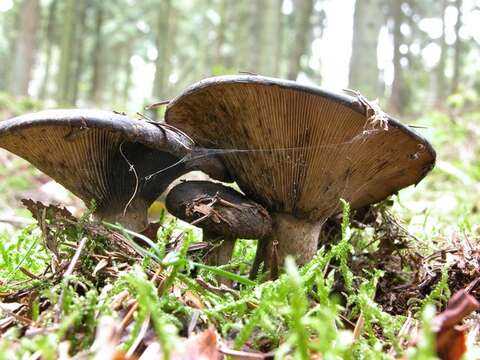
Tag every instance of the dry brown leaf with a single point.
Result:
(202, 346)
(450, 336)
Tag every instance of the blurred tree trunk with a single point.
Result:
(367, 21)
(49, 43)
(162, 39)
(440, 92)
(257, 14)
(302, 12)
(241, 36)
(67, 54)
(278, 31)
(458, 49)
(24, 58)
(270, 38)
(96, 88)
(82, 8)
(128, 74)
(163, 44)
(222, 12)
(397, 97)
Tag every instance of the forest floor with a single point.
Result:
(70, 288)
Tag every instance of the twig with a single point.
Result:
(357, 332)
(69, 272)
(157, 104)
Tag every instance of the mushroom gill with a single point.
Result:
(101, 156)
(298, 149)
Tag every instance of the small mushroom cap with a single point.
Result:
(99, 155)
(297, 149)
(223, 210)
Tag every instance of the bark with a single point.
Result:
(67, 55)
(397, 97)
(303, 13)
(96, 88)
(49, 43)
(458, 49)
(364, 74)
(291, 236)
(24, 59)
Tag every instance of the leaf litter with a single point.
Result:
(107, 293)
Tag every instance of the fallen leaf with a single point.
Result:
(450, 337)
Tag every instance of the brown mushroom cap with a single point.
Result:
(219, 210)
(306, 147)
(100, 155)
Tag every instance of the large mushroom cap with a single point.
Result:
(297, 149)
(100, 155)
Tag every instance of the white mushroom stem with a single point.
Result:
(134, 217)
(291, 236)
(222, 251)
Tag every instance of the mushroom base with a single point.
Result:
(291, 236)
(135, 218)
(222, 251)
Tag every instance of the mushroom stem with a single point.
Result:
(133, 217)
(222, 250)
(291, 236)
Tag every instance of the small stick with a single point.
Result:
(157, 104)
(129, 316)
(358, 328)
(69, 272)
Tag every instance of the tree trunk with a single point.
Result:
(128, 75)
(74, 85)
(458, 49)
(397, 99)
(440, 78)
(96, 88)
(241, 36)
(49, 43)
(24, 59)
(303, 12)
(257, 14)
(221, 33)
(277, 67)
(367, 21)
(162, 62)
(67, 54)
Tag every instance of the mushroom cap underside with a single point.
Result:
(298, 149)
(96, 154)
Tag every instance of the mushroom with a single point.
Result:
(297, 150)
(223, 213)
(106, 157)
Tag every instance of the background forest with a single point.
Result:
(124, 54)
(371, 293)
